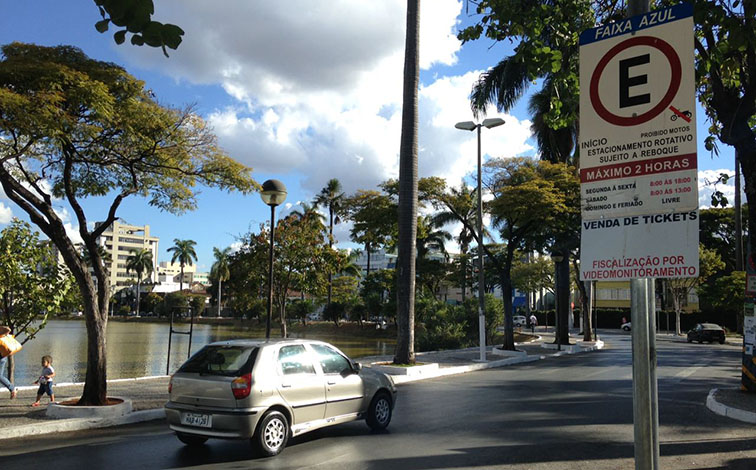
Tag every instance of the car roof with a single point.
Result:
(259, 342)
(711, 325)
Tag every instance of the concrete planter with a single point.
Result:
(506, 353)
(57, 410)
(412, 371)
(569, 348)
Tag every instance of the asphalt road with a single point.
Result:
(561, 413)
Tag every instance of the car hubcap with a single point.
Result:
(382, 410)
(275, 432)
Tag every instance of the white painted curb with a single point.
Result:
(728, 411)
(79, 424)
(59, 411)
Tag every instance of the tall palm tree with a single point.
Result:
(405, 309)
(183, 251)
(220, 270)
(140, 261)
(331, 197)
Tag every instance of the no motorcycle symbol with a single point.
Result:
(628, 81)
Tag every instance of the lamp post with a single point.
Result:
(471, 126)
(557, 258)
(273, 194)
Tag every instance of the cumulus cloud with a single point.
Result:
(6, 214)
(709, 181)
(318, 93)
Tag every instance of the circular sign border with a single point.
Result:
(674, 62)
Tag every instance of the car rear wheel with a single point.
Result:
(690, 340)
(721, 341)
(272, 434)
(190, 439)
(379, 412)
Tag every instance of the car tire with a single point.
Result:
(690, 340)
(190, 439)
(272, 434)
(722, 341)
(379, 412)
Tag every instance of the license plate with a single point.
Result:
(197, 419)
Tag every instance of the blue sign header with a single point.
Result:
(637, 23)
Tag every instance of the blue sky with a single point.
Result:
(301, 91)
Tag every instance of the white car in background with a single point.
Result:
(519, 321)
(627, 326)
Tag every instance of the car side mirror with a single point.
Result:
(356, 367)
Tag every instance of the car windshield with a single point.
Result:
(710, 326)
(221, 360)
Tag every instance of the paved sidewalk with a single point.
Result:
(148, 395)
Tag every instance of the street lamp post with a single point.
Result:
(470, 126)
(273, 194)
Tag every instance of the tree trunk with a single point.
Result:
(678, 311)
(282, 318)
(220, 285)
(563, 301)
(506, 294)
(367, 250)
(181, 279)
(463, 260)
(95, 385)
(585, 309)
(405, 345)
(139, 292)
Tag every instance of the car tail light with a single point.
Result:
(170, 385)
(242, 386)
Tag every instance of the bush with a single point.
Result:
(444, 326)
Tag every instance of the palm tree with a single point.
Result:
(183, 251)
(460, 204)
(333, 198)
(405, 309)
(140, 262)
(220, 270)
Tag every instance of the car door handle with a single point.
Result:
(331, 382)
(285, 385)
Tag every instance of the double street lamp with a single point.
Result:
(471, 126)
(273, 194)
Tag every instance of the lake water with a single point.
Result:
(141, 349)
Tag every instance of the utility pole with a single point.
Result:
(738, 218)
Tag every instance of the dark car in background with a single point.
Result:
(708, 332)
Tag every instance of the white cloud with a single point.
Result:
(709, 181)
(318, 93)
(6, 214)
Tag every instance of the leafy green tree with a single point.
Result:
(32, 285)
(150, 301)
(408, 192)
(72, 128)
(176, 303)
(534, 275)
(219, 271)
(197, 303)
(140, 262)
(709, 264)
(717, 232)
(373, 215)
(300, 308)
(135, 17)
(726, 294)
(333, 198)
(183, 252)
(334, 312)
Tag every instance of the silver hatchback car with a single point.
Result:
(268, 390)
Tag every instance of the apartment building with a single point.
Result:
(119, 241)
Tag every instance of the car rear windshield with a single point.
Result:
(221, 360)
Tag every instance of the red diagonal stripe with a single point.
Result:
(679, 113)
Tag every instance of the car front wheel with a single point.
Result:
(690, 340)
(379, 412)
(272, 434)
(190, 439)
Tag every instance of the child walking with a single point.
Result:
(45, 380)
